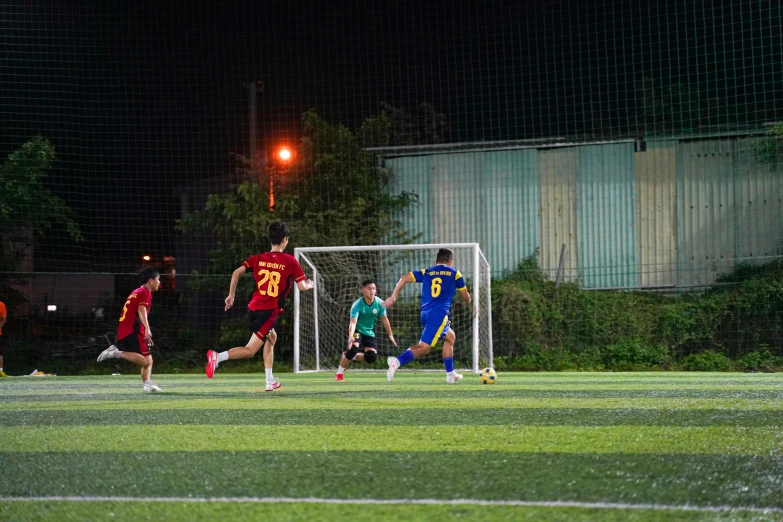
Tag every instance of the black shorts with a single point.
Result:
(2, 344)
(365, 341)
(134, 343)
(263, 321)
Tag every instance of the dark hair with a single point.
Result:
(277, 232)
(444, 256)
(367, 282)
(147, 273)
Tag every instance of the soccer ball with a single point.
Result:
(488, 376)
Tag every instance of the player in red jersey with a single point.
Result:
(274, 273)
(133, 333)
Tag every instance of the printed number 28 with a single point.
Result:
(273, 278)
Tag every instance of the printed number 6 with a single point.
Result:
(436, 282)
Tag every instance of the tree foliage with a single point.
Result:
(336, 193)
(678, 107)
(27, 207)
(395, 127)
(769, 149)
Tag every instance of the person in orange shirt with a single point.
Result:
(2, 339)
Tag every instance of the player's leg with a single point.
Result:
(135, 350)
(261, 323)
(448, 357)
(345, 362)
(2, 343)
(146, 374)
(369, 356)
(146, 371)
(269, 357)
(240, 352)
(434, 328)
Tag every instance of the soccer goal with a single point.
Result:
(321, 316)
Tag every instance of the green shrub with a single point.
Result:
(707, 361)
(538, 326)
(632, 354)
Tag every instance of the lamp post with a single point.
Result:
(283, 157)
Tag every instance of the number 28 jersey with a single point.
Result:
(274, 273)
(439, 283)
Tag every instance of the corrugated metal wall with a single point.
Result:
(705, 204)
(557, 181)
(681, 213)
(656, 216)
(606, 207)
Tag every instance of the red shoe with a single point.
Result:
(212, 363)
(272, 386)
(339, 377)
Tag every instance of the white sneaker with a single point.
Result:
(108, 353)
(394, 364)
(272, 386)
(152, 387)
(451, 379)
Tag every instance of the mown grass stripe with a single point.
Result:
(750, 390)
(189, 512)
(402, 501)
(395, 417)
(283, 400)
(610, 477)
(476, 437)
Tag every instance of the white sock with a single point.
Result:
(340, 370)
(117, 354)
(451, 374)
(1, 368)
(269, 377)
(148, 382)
(222, 356)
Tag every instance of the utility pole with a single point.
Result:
(253, 88)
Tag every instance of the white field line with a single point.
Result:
(422, 501)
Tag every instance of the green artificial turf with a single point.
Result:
(669, 439)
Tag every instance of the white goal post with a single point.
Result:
(321, 315)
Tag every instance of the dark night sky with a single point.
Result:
(141, 99)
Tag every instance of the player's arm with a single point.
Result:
(466, 297)
(142, 313)
(387, 326)
(233, 287)
(404, 280)
(302, 283)
(352, 330)
(463, 291)
(305, 285)
(2, 321)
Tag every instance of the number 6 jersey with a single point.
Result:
(274, 274)
(439, 283)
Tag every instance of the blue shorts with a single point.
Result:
(436, 326)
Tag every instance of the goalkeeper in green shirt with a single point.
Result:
(362, 345)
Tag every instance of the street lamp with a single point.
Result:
(283, 157)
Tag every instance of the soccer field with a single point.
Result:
(564, 446)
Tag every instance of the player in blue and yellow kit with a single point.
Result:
(439, 284)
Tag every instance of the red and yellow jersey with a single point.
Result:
(129, 320)
(275, 273)
(2, 314)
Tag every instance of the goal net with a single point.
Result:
(321, 316)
